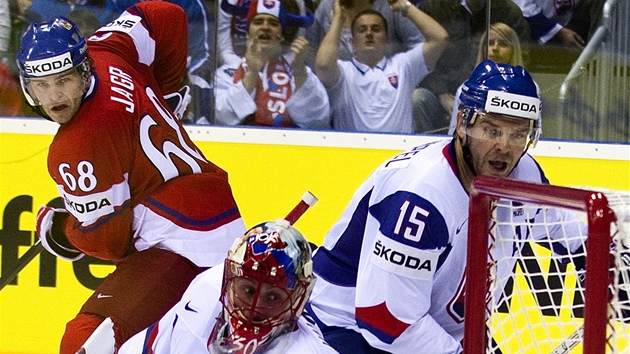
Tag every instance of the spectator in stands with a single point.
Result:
(372, 92)
(201, 51)
(85, 19)
(10, 103)
(402, 33)
(253, 301)
(20, 16)
(465, 21)
(561, 28)
(232, 29)
(10, 95)
(46, 10)
(499, 44)
(270, 87)
(551, 19)
(5, 28)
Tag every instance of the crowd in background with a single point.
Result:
(541, 35)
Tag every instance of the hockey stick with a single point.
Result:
(571, 342)
(307, 201)
(21, 263)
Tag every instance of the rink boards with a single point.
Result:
(269, 171)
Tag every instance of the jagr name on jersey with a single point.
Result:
(404, 260)
(122, 88)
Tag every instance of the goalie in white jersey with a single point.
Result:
(266, 280)
(391, 270)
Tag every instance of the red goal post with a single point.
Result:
(498, 314)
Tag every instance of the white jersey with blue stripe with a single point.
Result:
(392, 267)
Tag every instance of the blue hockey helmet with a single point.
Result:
(50, 48)
(505, 90)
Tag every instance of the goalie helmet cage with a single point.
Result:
(598, 293)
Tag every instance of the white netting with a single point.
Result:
(619, 332)
(536, 298)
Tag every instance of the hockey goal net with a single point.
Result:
(530, 288)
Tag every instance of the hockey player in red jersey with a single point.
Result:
(136, 189)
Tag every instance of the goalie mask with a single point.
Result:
(48, 53)
(266, 282)
(501, 90)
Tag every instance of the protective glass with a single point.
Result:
(515, 132)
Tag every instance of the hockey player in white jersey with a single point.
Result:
(251, 304)
(391, 270)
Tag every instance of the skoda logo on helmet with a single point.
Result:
(513, 105)
(48, 66)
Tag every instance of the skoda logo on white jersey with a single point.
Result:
(513, 105)
(49, 66)
(404, 260)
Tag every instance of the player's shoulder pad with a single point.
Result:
(125, 23)
(412, 235)
(410, 219)
(403, 159)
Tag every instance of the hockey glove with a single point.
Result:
(49, 230)
(178, 101)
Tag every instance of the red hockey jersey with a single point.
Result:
(129, 175)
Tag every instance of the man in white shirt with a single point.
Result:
(373, 92)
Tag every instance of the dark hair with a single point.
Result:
(368, 12)
(289, 32)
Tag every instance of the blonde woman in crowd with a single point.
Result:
(501, 46)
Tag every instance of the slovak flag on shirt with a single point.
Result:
(393, 80)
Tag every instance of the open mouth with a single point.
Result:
(498, 165)
(59, 108)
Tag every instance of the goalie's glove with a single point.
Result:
(178, 101)
(50, 223)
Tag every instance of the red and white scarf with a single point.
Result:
(273, 90)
